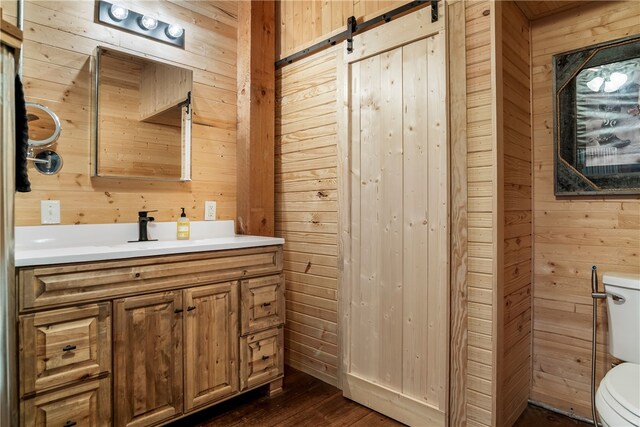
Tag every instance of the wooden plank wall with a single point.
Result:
(480, 190)
(515, 369)
(570, 235)
(307, 211)
(60, 36)
(304, 23)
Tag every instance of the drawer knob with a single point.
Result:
(69, 348)
(266, 304)
(265, 357)
(70, 423)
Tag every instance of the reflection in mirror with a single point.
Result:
(142, 118)
(44, 125)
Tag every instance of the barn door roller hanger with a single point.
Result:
(353, 27)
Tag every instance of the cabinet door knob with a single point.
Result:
(70, 423)
(191, 307)
(266, 304)
(178, 310)
(69, 347)
(265, 357)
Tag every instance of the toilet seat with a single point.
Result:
(618, 396)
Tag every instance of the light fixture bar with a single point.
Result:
(133, 23)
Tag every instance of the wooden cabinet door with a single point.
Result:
(148, 359)
(59, 347)
(261, 357)
(85, 405)
(210, 343)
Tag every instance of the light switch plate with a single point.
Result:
(50, 211)
(209, 210)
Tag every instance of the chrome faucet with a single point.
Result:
(143, 220)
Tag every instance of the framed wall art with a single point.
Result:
(597, 119)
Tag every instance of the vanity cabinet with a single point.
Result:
(144, 341)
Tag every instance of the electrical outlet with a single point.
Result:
(50, 211)
(209, 211)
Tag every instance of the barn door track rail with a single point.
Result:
(353, 28)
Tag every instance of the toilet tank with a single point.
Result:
(623, 309)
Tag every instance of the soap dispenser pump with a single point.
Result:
(183, 227)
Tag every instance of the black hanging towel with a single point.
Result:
(22, 140)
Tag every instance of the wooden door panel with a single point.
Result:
(210, 344)
(379, 280)
(148, 359)
(425, 222)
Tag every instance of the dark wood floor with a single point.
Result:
(307, 401)
(534, 416)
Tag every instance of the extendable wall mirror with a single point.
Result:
(44, 131)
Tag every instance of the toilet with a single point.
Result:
(618, 396)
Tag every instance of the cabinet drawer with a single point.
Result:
(85, 405)
(261, 357)
(60, 347)
(68, 284)
(262, 303)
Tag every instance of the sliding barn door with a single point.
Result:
(394, 237)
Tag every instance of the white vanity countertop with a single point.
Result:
(61, 244)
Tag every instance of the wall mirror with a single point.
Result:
(142, 118)
(597, 119)
(44, 125)
(44, 131)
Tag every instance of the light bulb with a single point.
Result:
(118, 13)
(174, 31)
(148, 22)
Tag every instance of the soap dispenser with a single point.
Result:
(184, 228)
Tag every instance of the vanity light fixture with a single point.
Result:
(143, 24)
